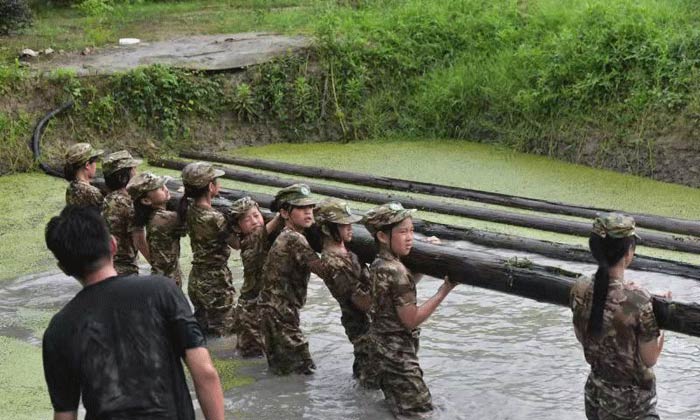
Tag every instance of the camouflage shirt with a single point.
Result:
(163, 234)
(205, 227)
(392, 286)
(288, 266)
(118, 212)
(81, 193)
(254, 248)
(348, 278)
(628, 320)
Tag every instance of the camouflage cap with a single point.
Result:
(119, 160)
(241, 206)
(296, 195)
(332, 210)
(144, 182)
(200, 174)
(81, 152)
(614, 225)
(386, 214)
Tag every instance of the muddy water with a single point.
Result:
(484, 354)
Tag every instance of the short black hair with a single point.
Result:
(118, 179)
(79, 239)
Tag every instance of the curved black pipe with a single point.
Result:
(36, 140)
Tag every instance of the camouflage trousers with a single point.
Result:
(606, 401)
(126, 268)
(362, 368)
(173, 273)
(394, 357)
(250, 342)
(286, 348)
(213, 296)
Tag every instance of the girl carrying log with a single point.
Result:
(255, 237)
(210, 285)
(80, 167)
(395, 314)
(163, 227)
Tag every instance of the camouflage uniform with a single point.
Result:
(254, 249)
(118, 212)
(163, 230)
(81, 193)
(163, 234)
(210, 282)
(620, 386)
(394, 352)
(348, 280)
(285, 278)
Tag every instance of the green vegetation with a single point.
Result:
(594, 82)
(22, 387)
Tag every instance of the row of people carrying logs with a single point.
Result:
(278, 259)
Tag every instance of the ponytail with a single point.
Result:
(193, 193)
(607, 252)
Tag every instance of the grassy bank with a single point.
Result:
(609, 84)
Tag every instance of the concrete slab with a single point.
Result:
(202, 52)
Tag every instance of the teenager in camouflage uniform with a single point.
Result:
(163, 228)
(210, 285)
(255, 239)
(348, 280)
(395, 314)
(285, 279)
(118, 210)
(79, 169)
(615, 323)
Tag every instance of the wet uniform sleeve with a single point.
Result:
(305, 256)
(362, 285)
(184, 328)
(62, 381)
(403, 291)
(648, 327)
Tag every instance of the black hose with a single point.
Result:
(36, 140)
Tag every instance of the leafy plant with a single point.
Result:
(15, 15)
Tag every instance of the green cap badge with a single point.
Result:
(333, 210)
(298, 195)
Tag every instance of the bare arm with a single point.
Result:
(65, 415)
(206, 382)
(412, 316)
(275, 224)
(138, 237)
(650, 350)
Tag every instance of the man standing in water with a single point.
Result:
(117, 344)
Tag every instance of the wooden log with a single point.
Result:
(518, 277)
(570, 227)
(489, 239)
(665, 224)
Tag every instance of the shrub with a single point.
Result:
(15, 15)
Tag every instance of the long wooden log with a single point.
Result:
(517, 277)
(489, 239)
(665, 224)
(652, 239)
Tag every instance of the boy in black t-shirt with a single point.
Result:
(119, 342)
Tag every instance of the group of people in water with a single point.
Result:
(613, 319)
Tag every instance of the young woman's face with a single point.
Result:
(250, 221)
(345, 232)
(301, 217)
(91, 168)
(402, 238)
(158, 197)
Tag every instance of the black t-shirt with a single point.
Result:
(119, 343)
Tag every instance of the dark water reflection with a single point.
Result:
(485, 355)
